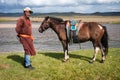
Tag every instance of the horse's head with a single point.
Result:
(45, 25)
(50, 22)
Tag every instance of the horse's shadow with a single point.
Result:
(60, 56)
(16, 58)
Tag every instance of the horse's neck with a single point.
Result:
(57, 27)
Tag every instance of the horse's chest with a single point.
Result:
(62, 35)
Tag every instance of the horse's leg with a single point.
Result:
(65, 48)
(103, 53)
(96, 49)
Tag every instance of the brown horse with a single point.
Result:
(89, 31)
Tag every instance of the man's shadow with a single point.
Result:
(16, 58)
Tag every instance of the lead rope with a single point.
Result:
(79, 44)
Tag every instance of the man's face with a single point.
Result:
(27, 13)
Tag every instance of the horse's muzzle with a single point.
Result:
(40, 30)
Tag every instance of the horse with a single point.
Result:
(90, 31)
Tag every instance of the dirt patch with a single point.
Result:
(5, 66)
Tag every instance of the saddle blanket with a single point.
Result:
(76, 27)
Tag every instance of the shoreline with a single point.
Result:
(12, 24)
(100, 19)
(8, 52)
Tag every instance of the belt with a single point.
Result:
(27, 36)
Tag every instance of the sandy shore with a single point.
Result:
(5, 22)
(7, 25)
(13, 24)
(101, 19)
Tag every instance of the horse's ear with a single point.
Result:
(46, 17)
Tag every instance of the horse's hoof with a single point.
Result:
(65, 60)
(102, 61)
(91, 61)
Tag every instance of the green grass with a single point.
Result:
(4, 20)
(116, 22)
(49, 66)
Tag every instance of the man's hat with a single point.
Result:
(27, 9)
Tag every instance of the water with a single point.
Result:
(48, 40)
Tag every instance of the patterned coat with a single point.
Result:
(24, 31)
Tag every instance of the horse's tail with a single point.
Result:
(104, 40)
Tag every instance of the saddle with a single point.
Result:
(73, 27)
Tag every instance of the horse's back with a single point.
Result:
(91, 26)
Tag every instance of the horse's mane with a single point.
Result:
(55, 19)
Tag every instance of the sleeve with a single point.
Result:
(19, 25)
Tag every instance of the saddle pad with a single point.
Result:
(77, 28)
(73, 28)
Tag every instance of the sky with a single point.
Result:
(48, 6)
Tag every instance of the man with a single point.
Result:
(24, 32)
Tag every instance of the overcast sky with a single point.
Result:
(46, 6)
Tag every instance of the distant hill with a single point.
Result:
(41, 14)
(107, 13)
(62, 14)
(10, 14)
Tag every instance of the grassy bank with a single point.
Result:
(8, 19)
(49, 66)
(101, 19)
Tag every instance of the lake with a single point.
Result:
(48, 40)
